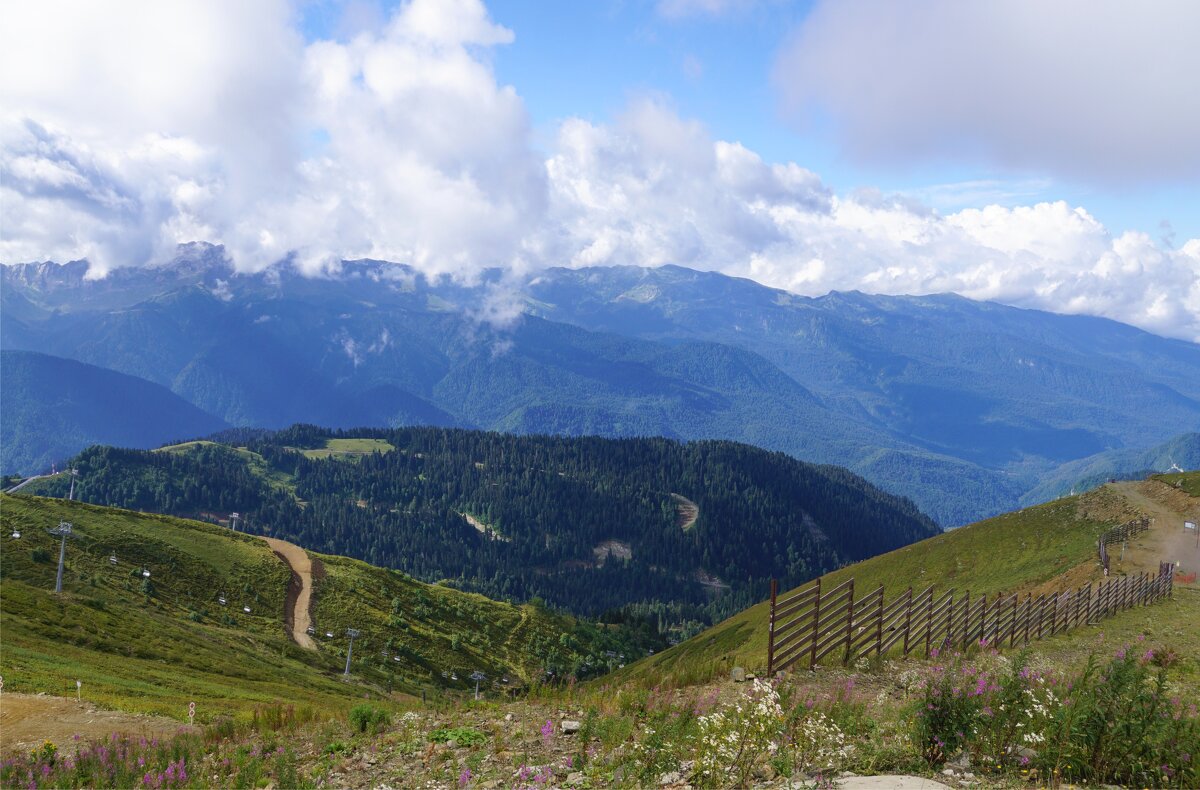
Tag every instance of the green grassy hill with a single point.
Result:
(1050, 546)
(154, 644)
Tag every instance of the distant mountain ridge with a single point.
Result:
(963, 406)
(51, 407)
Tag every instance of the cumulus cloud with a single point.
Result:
(156, 124)
(653, 189)
(1098, 90)
(161, 123)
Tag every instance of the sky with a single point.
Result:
(1041, 155)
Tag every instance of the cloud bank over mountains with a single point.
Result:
(159, 124)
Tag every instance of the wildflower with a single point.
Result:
(547, 731)
(464, 778)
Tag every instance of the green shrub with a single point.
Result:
(463, 736)
(1118, 724)
(1114, 722)
(368, 718)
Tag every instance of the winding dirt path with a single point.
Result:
(1166, 539)
(299, 591)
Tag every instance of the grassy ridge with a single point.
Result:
(150, 647)
(153, 644)
(1186, 481)
(1011, 553)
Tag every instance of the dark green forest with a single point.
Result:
(549, 502)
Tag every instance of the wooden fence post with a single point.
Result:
(771, 634)
(816, 626)
(966, 635)
(849, 625)
(879, 626)
(949, 640)
(929, 625)
(907, 620)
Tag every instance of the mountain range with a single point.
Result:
(963, 406)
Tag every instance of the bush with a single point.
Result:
(1117, 724)
(1112, 723)
(368, 718)
(463, 736)
(732, 740)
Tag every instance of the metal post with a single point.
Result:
(63, 529)
(62, 556)
(353, 633)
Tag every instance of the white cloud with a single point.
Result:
(653, 189)
(1097, 90)
(158, 123)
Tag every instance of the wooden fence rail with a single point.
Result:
(810, 624)
(1119, 534)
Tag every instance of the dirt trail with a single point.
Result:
(1166, 539)
(28, 719)
(298, 598)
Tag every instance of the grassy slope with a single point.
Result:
(1187, 481)
(1014, 552)
(493, 637)
(147, 653)
(349, 448)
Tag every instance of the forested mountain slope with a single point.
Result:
(51, 407)
(587, 524)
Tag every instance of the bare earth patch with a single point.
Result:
(26, 720)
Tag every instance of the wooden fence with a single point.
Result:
(808, 625)
(1119, 534)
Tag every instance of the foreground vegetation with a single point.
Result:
(1005, 720)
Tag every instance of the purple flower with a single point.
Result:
(547, 730)
(1024, 761)
(1121, 653)
(464, 778)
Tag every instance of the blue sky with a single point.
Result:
(1036, 154)
(589, 59)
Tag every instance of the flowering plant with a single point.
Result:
(733, 739)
